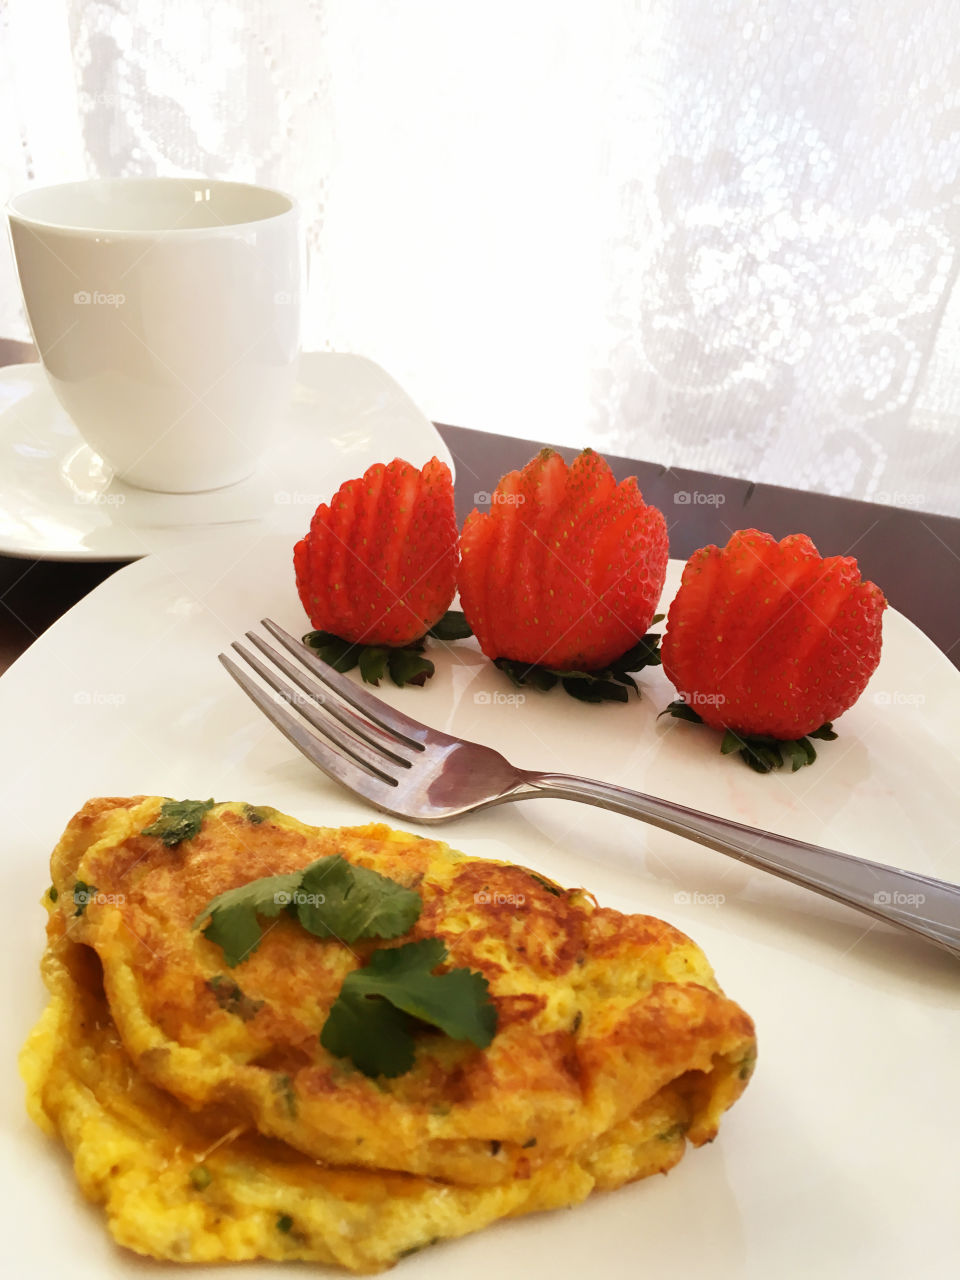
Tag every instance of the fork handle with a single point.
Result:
(919, 903)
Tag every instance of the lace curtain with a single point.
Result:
(711, 233)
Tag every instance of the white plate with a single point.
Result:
(58, 500)
(840, 1159)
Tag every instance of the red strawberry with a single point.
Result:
(566, 568)
(379, 564)
(768, 638)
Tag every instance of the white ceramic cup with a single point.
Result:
(167, 315)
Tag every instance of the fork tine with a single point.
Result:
(375, 789)
(358, 751)
(375, 738)
(378, 713)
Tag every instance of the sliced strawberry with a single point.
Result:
(768, 638)
(378, 565)
(566, 568)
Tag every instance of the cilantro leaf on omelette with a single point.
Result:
(338, 899)
(331, 898)
(373, 1034)
(234, 923)
(179, 820)
(373, 1018)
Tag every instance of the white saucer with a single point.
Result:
(58, 500)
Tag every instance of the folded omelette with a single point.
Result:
(203, 1111)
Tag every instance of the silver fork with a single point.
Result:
(408, 770)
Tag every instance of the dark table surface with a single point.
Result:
(915, 557)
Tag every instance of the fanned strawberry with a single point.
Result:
(379, 564)
(770, 640)
(565, 569)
